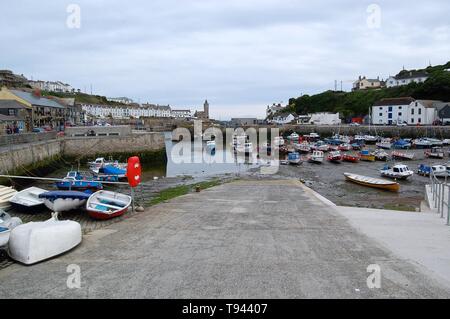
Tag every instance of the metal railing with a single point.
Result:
(440, 191)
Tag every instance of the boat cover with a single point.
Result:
(64, 194)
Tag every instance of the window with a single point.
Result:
(416, 103)
(399, 113)
(389, 115)
(381, 114)
(419, 120)
(390, 109)
(412, 111)
(412, 120)
(11, 112)
(399, 107)
(381, 109)
(420, 111)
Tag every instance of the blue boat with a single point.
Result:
(401, 144)
(76, 181)
(294, 158)
(424, 170)
(113, 171)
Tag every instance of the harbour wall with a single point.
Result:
(26, 157)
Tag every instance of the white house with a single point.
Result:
(274, 108)
(127, 111)
(283, 119)
(405, 110)
(52, 86)
(181, 113)
(406, 77)
(324, 118)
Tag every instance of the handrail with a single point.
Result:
(440, 191)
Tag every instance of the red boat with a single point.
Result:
(335, 157)
(106, 205)
(345, 147)
(350, 158)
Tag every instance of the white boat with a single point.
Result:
(7, 223)
(385, 143)
(28, 199)
(37, 241)
(439, 170)
(293, 137)
(6, 192)
(398, 171)
(102, 162)
(316, 157)
(422, 143)
(435, 152)
(61, 201)
(370, 138)
(303, 147)
(380, 155)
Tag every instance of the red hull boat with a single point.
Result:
(350, 158)
(106, 205)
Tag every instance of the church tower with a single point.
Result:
(206, 109)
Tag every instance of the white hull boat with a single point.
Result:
(439, 170)
(37, 241)
(61, 201)
(316, 157)
(28, 199)
(398, 171)
(7, 223)
(6, 193)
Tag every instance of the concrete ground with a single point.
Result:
(246, 239)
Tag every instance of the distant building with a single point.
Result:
(9, 79)
(181, 113)
(406, 110)
(122, 100)
(13, 113)
(283, 119)
(126, 111)
(203, 114)
(51, 86)
(366, 84)
(407, 77)
(444, 114)
(274, 108)
(243, 121)
(324, 118)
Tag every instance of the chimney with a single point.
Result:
(37, 93)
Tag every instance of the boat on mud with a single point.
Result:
(401, 144)
(385, 143)
(402, 155)
(398, 171)
(294, 158)
(423, 170)
(316, 157)
(303, 147)
(380, 155)
(435, 152)
(365, 155)
(61, 201)
(345, 147)
(28, 200)
(334, 157)
(350, 158)
(74, 180)
(373, 182)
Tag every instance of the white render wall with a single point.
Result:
(392, 82)
(414, 113)
(324, 118)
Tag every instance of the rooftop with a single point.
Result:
(36, 100)
(395, 101)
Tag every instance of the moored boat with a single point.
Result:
(385, 143)
(345, 147)
(335, 157)
(439, 170)
(106, 204)
(373, 182)
(398, 171)
(350, 158)
(401, 144)
(365, 155)
(435, 152)
(380, 155)
(294, 158)
(316, 157)
(28, 199)
(303, 147)
(402, 155)
(76, 181)
(424, 170)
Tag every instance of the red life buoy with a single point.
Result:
(134, 171)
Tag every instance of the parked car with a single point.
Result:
(402, 124)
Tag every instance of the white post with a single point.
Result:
(443, 194)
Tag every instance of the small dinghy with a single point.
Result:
(294, 158)
(7, 223)
(402, 155)
(6, 192)
(28, 199)
(350, 158)
(37, 241)
(435, 152)
(106, 204)
(373, 182)
(398, 171)
(303, 147)
(61, 201)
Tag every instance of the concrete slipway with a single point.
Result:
(249, 239)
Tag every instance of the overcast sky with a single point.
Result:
(239, 54)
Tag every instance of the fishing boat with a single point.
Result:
(102, 162)
(435, 141)
(61, 201)
(421, 143)
(333, 148)
(373, 182)
(398, 171)
(106, 204)
(350, 158)
(424, 170)
(294, 158)
(303, 147)
(385, 143)
(402, 155)
(320, 146)
(293, 137)
(439, 170)
(380, 155)
(365, 155)
(401, 144)
(370, 139)
(28, 199)
(435, 152)
(356, 146)
(6, 192)
(75, 181)
(335, 157)
(37, 241)
(265, 148)
(345, 147)
(316, 157)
